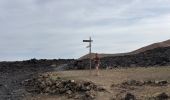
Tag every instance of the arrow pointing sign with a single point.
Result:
(87, 40)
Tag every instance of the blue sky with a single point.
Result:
(56, 28)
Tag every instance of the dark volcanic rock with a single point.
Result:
(154, 57)
(133, 83)
(69, 88)
(13, 73)
(129, 96)
(128, 83)
(162, 96)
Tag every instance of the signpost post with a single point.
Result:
(90, 41)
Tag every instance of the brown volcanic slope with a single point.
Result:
(149, 47)
(152, 46)
(102, 55)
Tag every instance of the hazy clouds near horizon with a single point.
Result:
(56, 28)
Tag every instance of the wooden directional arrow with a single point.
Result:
(87, 40)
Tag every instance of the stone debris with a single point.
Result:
(162, 96)
(129, 96)
(132, 83)
(156, 83)
(142, 83)
(124, 96)
(70, 88)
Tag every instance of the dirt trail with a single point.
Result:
(117, 76)
(104, 80)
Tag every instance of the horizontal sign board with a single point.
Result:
(87, 40)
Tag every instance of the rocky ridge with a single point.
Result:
(44, 84)
(154, 57)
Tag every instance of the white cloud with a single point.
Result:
(56, 28)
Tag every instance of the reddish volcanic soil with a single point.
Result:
(153, 46)
(143, 49)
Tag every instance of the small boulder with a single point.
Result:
(101, 89)
(129, 96)
(90, 94)
(162, 96)
(163, 82)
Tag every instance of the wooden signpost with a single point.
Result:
(90, 56)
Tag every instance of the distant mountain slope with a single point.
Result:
(102, 55)
(153, 46)
(143, 49)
